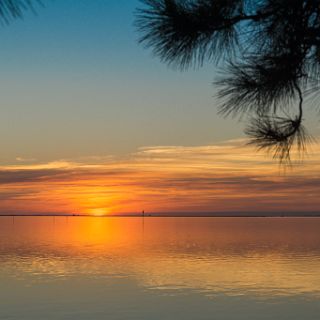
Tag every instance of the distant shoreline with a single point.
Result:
(177, 215)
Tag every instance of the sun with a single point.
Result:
(99, 212)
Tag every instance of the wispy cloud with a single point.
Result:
(22, 159)
(222, 177)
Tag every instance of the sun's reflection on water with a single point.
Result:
(259, 257)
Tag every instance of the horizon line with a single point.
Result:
(174, 214)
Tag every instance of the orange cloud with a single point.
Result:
(224, 177)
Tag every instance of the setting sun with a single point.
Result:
(99, 212)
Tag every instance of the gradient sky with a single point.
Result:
(82, 103)
(75, 82)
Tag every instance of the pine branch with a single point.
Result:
(278, 135)
(14, 9)
(270, 51)
(188, 32)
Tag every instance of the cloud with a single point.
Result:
(25, 176)
(21, 159)
(222, 177)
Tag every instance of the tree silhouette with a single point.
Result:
(13, 9)
(269, 51)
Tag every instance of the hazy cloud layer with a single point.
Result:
(225, 177)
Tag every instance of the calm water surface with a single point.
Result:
(159, 268)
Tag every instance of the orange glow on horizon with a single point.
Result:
(99, 212)
(225, 177)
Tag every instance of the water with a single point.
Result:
(159, 268)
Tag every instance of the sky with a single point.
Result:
(91, 122)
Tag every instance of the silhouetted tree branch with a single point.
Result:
(13, 9)
(270, 50)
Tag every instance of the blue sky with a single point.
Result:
(75, 82)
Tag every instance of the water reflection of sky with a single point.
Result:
(210, 262)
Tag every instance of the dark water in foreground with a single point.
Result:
(159, 268)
